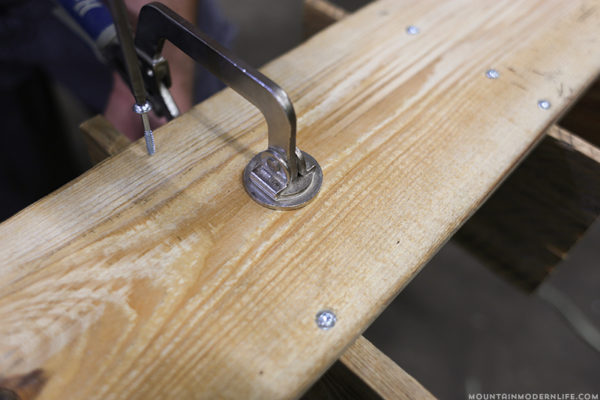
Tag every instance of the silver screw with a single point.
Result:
(492, 74)
(150, 146)
(143, 110)
(544, 104)
(413, 30)
(325, 319)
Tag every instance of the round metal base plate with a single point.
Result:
(285, 201)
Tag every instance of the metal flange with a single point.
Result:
(268, 181)
(281, 177)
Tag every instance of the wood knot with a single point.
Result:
(7, 394)
(22, 387)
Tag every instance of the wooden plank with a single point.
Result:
(154, 277)
(518, 250)
(522, 245)
(381, 373)
(319, 14)
(362, 372)
(576, 144)
(339, 382)
(531, 222)
(584, 118)
(102, 139)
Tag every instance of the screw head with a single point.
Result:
(544, 104)
(142, 108)
(413, 30)
(492, 74)
(325, 319)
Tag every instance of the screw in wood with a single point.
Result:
(413, 30)
(544, 104)
(325, 319)
(492, 74)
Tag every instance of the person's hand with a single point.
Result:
(119, 109)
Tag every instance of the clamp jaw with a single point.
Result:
(281, 177)
(157, 80)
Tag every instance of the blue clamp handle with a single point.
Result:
(93, 16)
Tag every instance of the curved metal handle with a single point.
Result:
(157, 23)
(281, 177)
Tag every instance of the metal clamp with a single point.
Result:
(281, 177)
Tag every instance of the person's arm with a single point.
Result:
(119, 107)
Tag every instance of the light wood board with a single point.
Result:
(102, 139)
(364, 372)
(362, 364)
(381, 373)
(158, 277)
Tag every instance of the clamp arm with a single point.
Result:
(281, 177)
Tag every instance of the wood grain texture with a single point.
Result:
(362, 372)
(158, 277)
(381, 373)
(340, 383)
(575, 143)
(102, 139)
(319, 14)
(530, 223)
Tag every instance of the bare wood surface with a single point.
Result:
(516, 235)
(531, 222)
(340, 383)
(365, 372)
(102, 139)
(319, 14)
(158, 277)
(381, 373)
(528, 260)
(575, 143)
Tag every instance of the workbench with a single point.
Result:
(159, 277)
